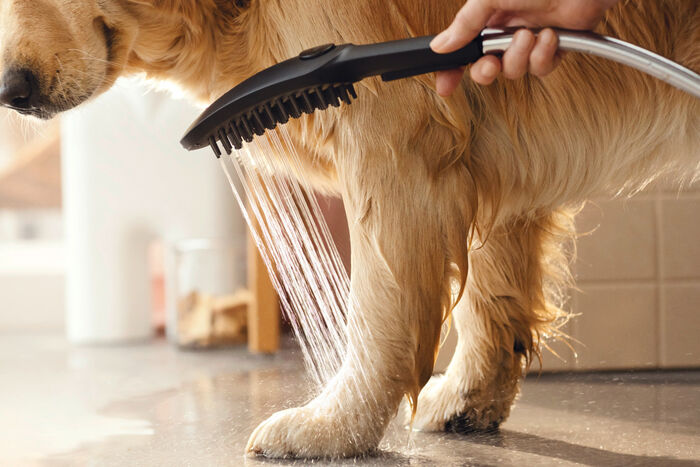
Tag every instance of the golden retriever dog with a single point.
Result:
(458, 207)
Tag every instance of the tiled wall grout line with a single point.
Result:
(660, 292)
(573, 364)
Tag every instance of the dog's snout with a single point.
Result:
(19, 89)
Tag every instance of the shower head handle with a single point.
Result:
(323, 76)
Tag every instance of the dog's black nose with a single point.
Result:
(19, 89)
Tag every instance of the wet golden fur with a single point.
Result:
(479, 189)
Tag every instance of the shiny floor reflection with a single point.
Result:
(152, 405)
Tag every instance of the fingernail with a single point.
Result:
(440, 41)
(522, 36)
(489, 69)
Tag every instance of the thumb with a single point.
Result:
(468, 23)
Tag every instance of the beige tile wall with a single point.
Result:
(639, 279)
(638, 272)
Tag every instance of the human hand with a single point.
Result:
(538, 55)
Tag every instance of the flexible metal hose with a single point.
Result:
(497, 41)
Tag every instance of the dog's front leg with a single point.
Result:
(397, 295)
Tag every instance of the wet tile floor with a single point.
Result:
(151, 405)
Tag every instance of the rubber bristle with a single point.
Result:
(278, 111)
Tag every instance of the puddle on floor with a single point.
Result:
(207, 421)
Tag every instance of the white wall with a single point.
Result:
(32, 286)
(126, 183)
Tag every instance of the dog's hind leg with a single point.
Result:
(398, 294)
(512, 281)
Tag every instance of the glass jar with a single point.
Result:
(207, 301)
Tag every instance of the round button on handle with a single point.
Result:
(316, 51)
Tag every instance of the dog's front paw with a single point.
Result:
(443, 405)
(309, 432)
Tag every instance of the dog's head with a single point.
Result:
(56, 54)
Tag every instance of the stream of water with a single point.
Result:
(296, 245)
